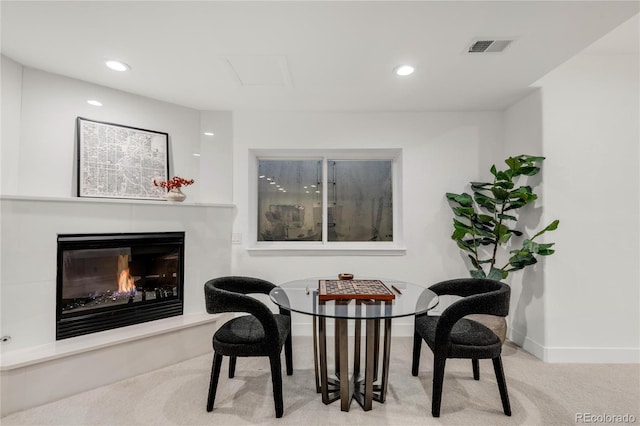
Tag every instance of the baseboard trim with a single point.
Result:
(592, 355)
(566, 354)
(526, 343)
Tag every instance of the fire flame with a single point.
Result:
(125, 281)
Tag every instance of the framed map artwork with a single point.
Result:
(116, 161)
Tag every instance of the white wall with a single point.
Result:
(39, 144)
(590, 107)
(441, 152)
(11, 95)
(586, 307)
(216, 152)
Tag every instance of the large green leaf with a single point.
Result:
(506, 175)
(506, 217)
(545, 249)
(484, 232)
(468, 245)
(463, 199)
(504, 238)
(524, 193)
(488, 241)
(465, 247)
(530, 159)
(480, 185)
(485, 218)
(458, 234)
(486, 202)
(461, 225)
(497, 274)
(515, 204)
(500, 193)
(501, 230)
(513, 163)
(504, 184)
(521, 259)
(550, 227)
(463, 211)
(477, 273)
(529, 170)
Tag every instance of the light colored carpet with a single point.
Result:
(540, 394)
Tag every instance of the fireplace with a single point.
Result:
(106, 281)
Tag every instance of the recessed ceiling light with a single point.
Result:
(94, 102)
(117, 65)
(209, 133)
(404, 70)
(196, 154)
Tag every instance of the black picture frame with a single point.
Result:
(118, 161)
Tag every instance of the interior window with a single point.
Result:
(357, 207)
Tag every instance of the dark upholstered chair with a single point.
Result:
(452, 336)
(262, 333)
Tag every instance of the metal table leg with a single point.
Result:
(345, 392)
(315, 354)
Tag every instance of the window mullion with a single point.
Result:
(325, 200)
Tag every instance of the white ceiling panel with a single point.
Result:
(325, 55)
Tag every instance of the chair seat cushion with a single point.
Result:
(469, 339)
(246, 331)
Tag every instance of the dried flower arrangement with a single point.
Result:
(174, 183)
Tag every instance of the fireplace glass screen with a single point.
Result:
(107, 281)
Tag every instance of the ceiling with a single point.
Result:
(304, 55)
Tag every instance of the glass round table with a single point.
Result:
(368, 300)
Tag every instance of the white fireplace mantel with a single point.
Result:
(127, 201)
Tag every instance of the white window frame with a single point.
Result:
(395, 247)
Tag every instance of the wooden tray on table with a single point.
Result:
(353, 289)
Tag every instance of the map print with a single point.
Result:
(121, 162)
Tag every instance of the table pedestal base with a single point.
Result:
(345, 387)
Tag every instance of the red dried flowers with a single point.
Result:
(175, 182)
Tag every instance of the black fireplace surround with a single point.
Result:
(106, 281)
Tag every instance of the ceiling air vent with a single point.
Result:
(488, 46)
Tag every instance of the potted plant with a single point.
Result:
(485, 222)
(173, 186)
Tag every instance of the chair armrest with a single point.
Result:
(219, 300)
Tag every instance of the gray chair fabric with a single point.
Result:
(452, 336)
(261, 333)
